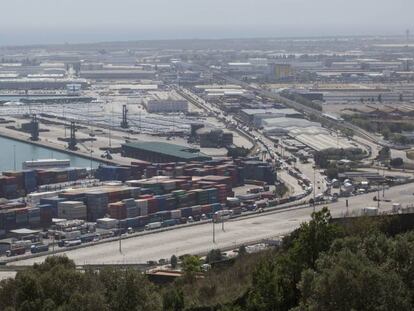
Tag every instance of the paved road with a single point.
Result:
(198, 239)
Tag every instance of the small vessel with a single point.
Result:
(45, 164)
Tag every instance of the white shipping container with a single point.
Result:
(107, 223)
(141, 203)
(176, 214)
(71, 210)
(143, 211)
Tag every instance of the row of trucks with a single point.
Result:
(217, 217)
(20, 249)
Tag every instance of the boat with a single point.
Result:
(45, 164)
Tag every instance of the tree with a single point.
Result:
(214, 255)
(274, 283)
(396, 162)
(174, 261)
(173, 299)
(129, 290)
(242, 250)
(349, 281)
(384, 153)
(191, 265)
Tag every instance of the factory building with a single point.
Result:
(118, 74)
(161, 152)
(214, 138)
(257, 116)
(282, 71)
(40, 83)
(163, 102)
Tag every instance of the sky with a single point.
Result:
(60, 21)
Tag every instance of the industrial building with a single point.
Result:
(162, 152)
(165, 102)
(41, 83)
(130, 74)
(214, 138)
(282, 71)
(257, 116)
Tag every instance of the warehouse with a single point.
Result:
(256, 116)
(40, 83)
(286, 123)
(162, 152)
(161, 102)
(214, 138)
(130, 74)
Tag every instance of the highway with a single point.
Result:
(198, 239)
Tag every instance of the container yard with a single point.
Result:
(141, 196)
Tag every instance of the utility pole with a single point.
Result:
(124, 122)
(120, 239)
(378, 197)
(314, 187)
(214, 230)
(91, 155)
(14, 157)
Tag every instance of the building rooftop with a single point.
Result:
(178, 151)
(270, 111)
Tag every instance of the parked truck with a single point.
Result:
(15, 249)
(38, 248)
(153, 225)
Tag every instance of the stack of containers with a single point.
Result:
(135, 192)
(131, 208)
(202, 196)
(72, 210)
(192, 198)
(46, 177)
(222, 193)
(47, 212)
(72, 174)
(22, 219)
(142, 205)
(109, 172)
(150, 171)
(240, 175)
(9, 187)
(97, 205)
(161, 202)
(9, 219)
(53, 201)
(170, 203)
(30, 180)
(212, 195)
(196, 211)
(34, 217)
(60, 175)
(117, 210)
(152, 206)
(176, 214)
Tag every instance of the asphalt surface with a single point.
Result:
(199, 239)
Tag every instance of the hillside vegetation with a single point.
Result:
(363, 264)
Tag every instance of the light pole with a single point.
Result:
(14, 157)
(120, 238)
(314, 187)
(214, 230)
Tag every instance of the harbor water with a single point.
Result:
(14, 153)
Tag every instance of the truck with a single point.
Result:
(153, 225)
(222, 215)
(38, 248)
(71, 243)
(15, 249)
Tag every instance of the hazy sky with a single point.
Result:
(44, 21)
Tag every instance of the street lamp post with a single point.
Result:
(214, 231)
(314, 187)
